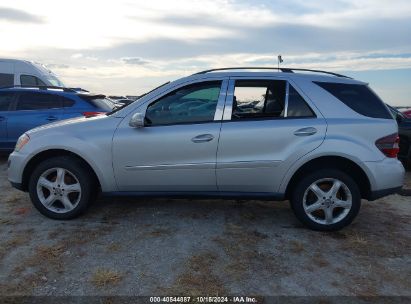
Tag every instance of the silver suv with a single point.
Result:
(322, 140)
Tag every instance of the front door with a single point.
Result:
(267, 126)
(176, 149)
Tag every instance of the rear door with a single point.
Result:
(6, 101)
(33, 109)
(267, 125)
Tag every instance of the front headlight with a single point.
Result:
(21, 142)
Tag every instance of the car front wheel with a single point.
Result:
(326, 200)
(61, 188)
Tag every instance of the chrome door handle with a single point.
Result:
(305, 131)
(51, 118)
(202, 138)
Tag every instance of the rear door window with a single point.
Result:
(358, 97)
(5, 100)
(258, 99)
(38, 101)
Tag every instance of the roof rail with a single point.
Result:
(73, 90)
(284, 70)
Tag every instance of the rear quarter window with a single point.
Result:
(358, 97)
(67, 102)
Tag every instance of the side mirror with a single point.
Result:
(137, 120)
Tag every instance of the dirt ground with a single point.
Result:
(201, 247)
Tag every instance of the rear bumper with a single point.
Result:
(374, 195)
(385, 175)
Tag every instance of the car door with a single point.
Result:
(267, 125)
(176, 149)
(6, 101)
(33, 109)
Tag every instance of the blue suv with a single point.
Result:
(22, 109)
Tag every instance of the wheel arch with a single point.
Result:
(46, 154)
(346, 165)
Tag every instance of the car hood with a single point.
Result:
(64, 123)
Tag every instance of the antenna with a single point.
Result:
(280, 60)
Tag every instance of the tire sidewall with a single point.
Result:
(75, 168)
(304, 183)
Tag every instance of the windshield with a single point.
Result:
(122, 106)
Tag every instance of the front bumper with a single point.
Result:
(18, 186)
(16, 163)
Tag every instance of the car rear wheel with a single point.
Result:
(61, 188)
(326, 200)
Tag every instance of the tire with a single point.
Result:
(61, 200)
(314, 211)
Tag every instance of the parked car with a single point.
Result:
(14, 72)
(22, 109)
(404, 131)
(407, 113)
(122, 102)
(322, 140)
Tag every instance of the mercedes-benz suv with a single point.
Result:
(322, 140)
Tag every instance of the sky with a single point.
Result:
(130, 46)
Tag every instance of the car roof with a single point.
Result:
(53, 90)
(326, 77)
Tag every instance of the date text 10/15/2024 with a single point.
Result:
(205, 299)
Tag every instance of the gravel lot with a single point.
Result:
(199, 247)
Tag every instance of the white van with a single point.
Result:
(14, 72)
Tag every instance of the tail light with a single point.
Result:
(91, 114)
(389, 145)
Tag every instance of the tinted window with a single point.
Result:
(28, 80)
(6, 80)
(67, 102)
(38, 101)
(359, 98)
(5, 100)
(190, 104)
(297, 107)
(258, 99)
(98, 101)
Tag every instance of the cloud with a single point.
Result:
(16, 15)
(134, 60)
(76, 56)
(57, 66)
(161, 40)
